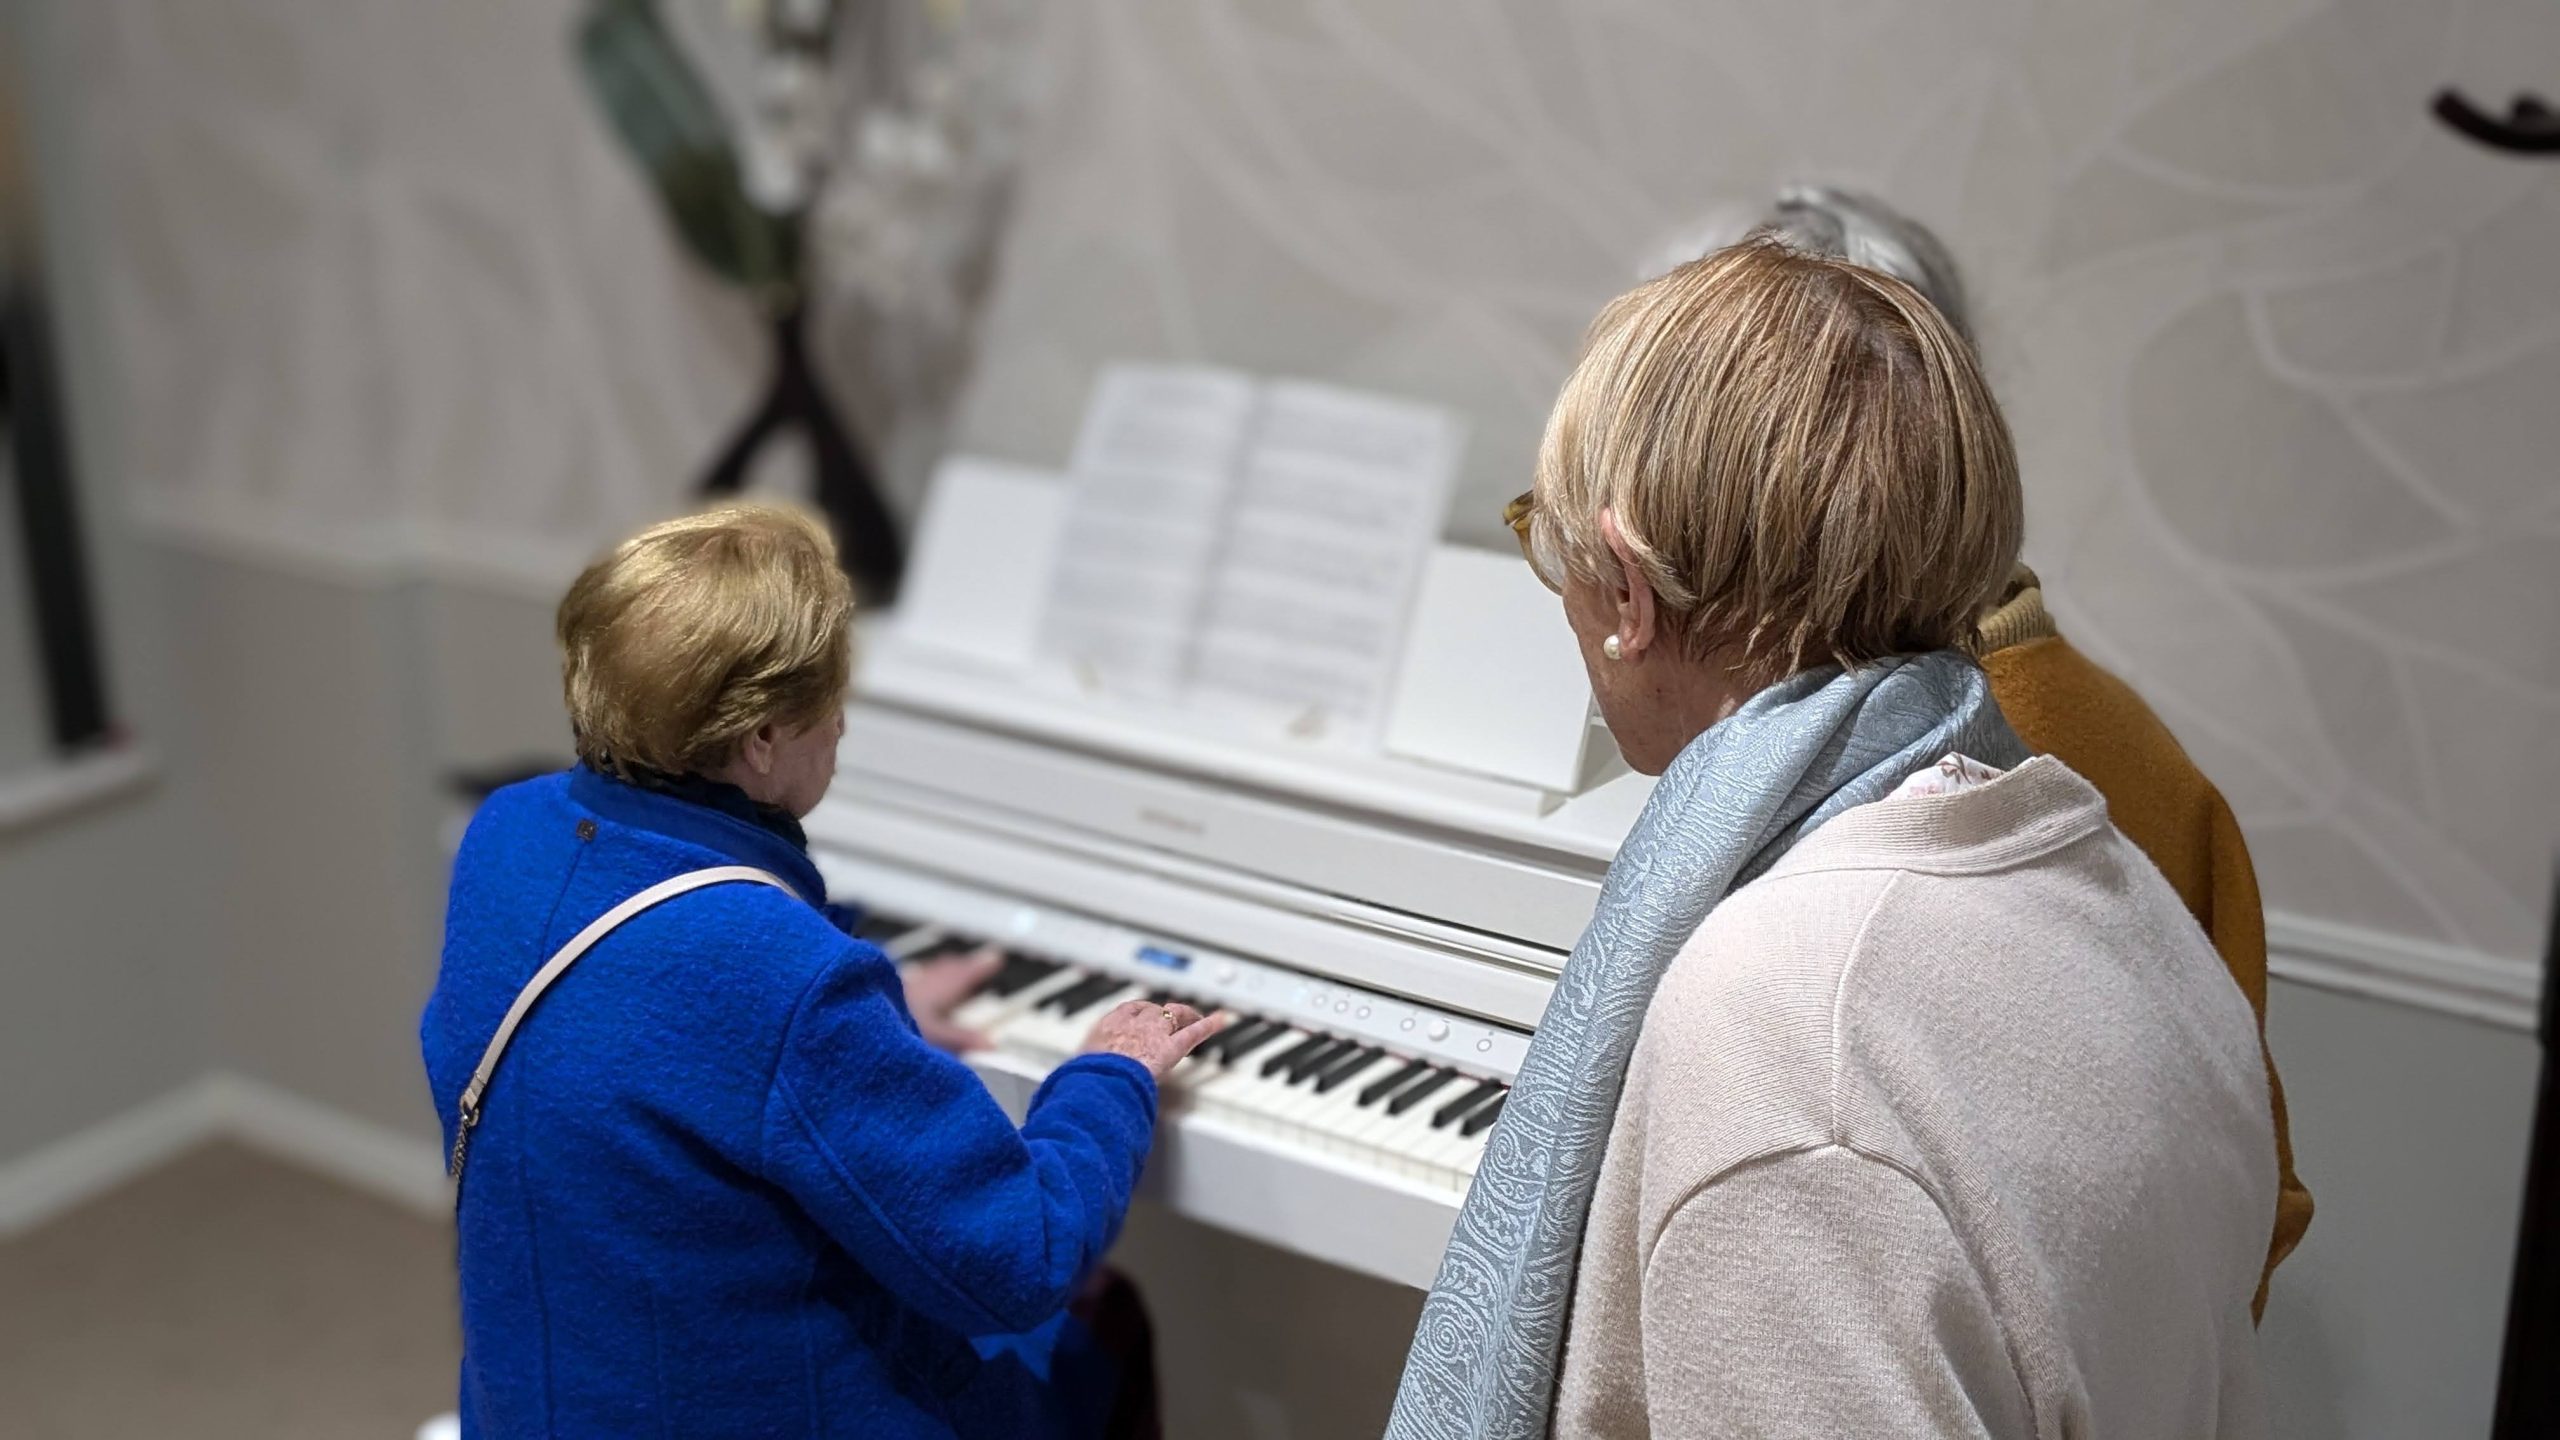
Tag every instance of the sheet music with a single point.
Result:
(1339, 501)
(1153, 469)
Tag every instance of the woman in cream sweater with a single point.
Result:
(1893, 1091)
(2063, 704)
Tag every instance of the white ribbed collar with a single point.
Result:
(2029, 812)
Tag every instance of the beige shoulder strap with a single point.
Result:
(468, 1116)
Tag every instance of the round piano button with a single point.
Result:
(1364, 1012)
(1318, 999)
(1485, 1044)
(1439, 1030)
(1227, 970)
(1407, 1024)
(1341, 1007)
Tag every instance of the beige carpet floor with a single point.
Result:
(227, 1296)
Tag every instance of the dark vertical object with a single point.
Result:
(49, 524)
(2530, 127)
(847, 488)
(2529, 1371)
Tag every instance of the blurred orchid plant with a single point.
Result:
(889, 128)
(855, 154)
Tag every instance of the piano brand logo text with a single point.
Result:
(1167, 820)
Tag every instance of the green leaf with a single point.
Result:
(657, 102)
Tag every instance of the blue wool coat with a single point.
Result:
(720, 1186)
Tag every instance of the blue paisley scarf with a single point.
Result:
(1486, 1356)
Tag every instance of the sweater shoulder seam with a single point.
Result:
(1840, 1004)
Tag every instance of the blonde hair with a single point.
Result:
(1800, 453)
(693, 633)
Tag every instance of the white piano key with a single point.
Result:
(1241, 1087)
(1450, 1146)
(1064, 1035)
(1338, 1114)
(1296, 1100)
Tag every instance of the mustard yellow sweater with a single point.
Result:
(2062, 704)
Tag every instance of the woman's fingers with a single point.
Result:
(1155, 1035)
(1188, 1037)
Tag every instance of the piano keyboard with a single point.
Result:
(1277, 1073)
(1339, 1121)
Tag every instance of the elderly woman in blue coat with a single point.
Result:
(716, 1182)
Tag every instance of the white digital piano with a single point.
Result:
(1384, 932)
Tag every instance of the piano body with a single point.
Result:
(1385, 933)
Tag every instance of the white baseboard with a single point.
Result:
(409, 1171)
(44, 1183)
(360, 1154)
(401, 1168)
(63, 787)
(2398, 970)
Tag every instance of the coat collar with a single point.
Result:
(678, 817)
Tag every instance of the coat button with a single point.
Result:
(586, 829)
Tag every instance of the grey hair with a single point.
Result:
(1863, 230)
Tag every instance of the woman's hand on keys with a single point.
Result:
(1156, 1036)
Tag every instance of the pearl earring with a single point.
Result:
(1611, 648)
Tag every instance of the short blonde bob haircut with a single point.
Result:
(695, 632)
(1801, 453)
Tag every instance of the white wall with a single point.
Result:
(2275, 343)
(2409, 1128)
(107, 964)
(1392, 196)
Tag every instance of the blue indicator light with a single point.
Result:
(1163, 959)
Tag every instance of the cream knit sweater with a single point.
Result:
(1951, 1124)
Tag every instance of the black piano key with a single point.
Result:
(1052, 999)
(1108, 995)
(1476, 1124)
(1020, 973)
(1485, 1091)
(1341, 1070)
(1412, 1095)
(1249, 1037)
(1314, 1062)
(1291, 1055)
(1159, 997)
(1215, 1045)
(1223, 1045)
(1379, 1089)
(1307, 1060)
(948, 945)
(1083, 993)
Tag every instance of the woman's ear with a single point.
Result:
(758, 748)
(1638, 615)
